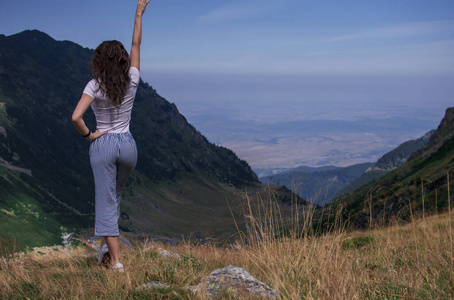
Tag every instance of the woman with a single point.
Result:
(113, 152)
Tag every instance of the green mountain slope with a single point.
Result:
(389, 161)
(181, 182)
(420, 185)
(397, 157)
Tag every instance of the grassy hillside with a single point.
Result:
(21, 212)
(188, 206)
(414, 261)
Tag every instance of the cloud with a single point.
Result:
(406, 30)
(227, 14)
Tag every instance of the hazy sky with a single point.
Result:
(211, 50)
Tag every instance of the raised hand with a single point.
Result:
(141, 6)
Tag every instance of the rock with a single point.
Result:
(165, 253)
(168, 254)
(3, 129)
(152, 285)
(235, 281)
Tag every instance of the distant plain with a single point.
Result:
(277, 136)
(276, 122)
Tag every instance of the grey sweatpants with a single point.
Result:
(113, 157)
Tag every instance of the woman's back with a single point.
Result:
(109, 117)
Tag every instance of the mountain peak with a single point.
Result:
(32, 35)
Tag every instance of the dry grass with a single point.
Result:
(414, 261)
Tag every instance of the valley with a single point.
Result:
(192, 165)
(274, 137)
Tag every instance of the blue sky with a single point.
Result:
(254, 50)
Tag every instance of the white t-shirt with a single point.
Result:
(108, 117)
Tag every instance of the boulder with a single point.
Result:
(235, 281)
(168, 254)
(165, 253)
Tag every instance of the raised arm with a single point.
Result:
(137, 34)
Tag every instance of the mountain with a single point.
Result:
(444, 133)
(324, 184)
(397, 157)
(418, 186)
(389, 161)
(182, 182)
(318, 185)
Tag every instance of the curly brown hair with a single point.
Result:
(110, 68)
